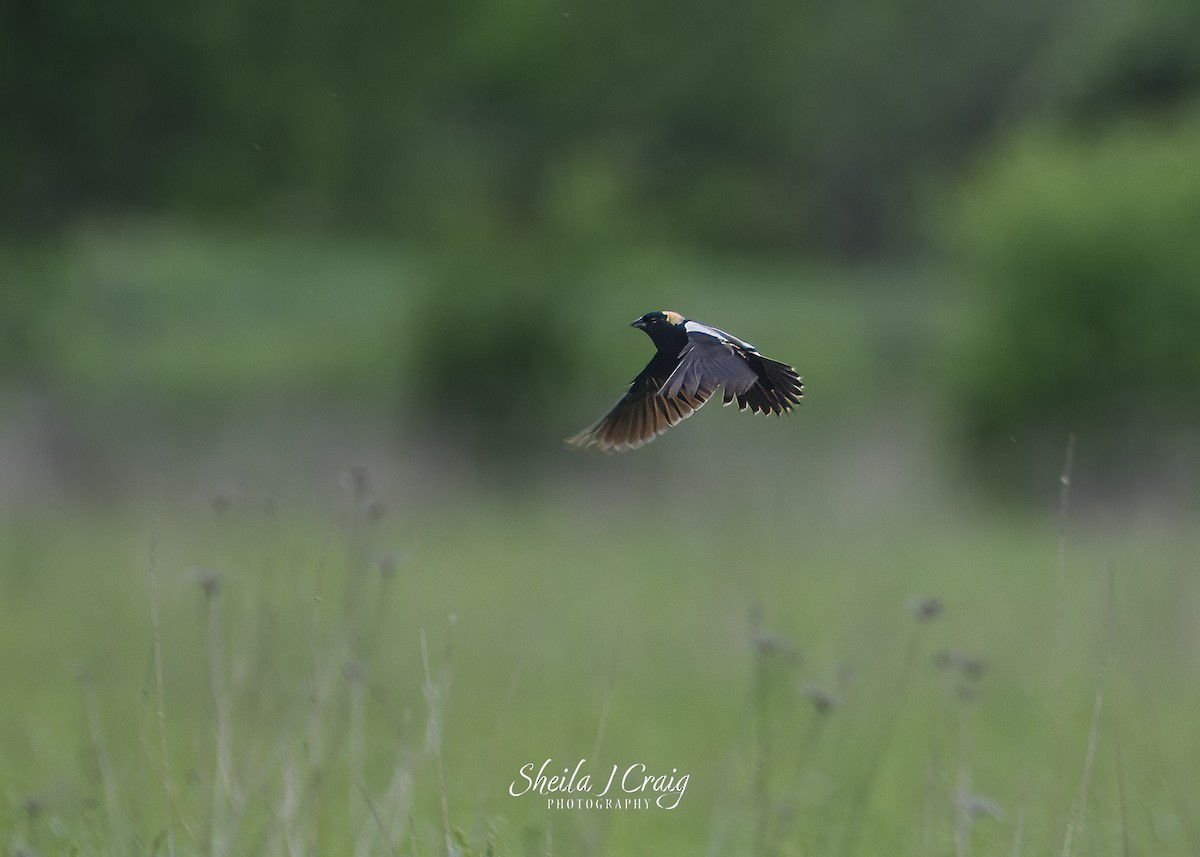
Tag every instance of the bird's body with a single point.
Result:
(691, 362)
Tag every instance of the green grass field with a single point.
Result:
(330, 660)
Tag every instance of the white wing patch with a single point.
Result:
(715, 333)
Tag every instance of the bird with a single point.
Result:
(691, 362)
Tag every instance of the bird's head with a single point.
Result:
(658, 320)
(665, 328)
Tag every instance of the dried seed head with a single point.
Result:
(925, 608)
(766, 642)
(972, 667)
(976, 805)
(33, 806)
(210, 582)
(772, 644)
(822, 700)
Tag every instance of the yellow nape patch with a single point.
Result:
(673, 317)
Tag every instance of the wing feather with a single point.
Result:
(636, 419)
(707, 363)
(778, 389)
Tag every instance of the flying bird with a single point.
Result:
(692, 360)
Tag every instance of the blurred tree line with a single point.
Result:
(767, 126)
(1046, 147)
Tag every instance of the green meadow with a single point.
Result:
(290, 607)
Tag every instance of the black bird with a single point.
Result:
(693, 359)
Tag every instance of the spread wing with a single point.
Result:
(707, 362)
(645, 411)
(757, 383)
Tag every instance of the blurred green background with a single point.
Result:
(302, 297)
(211, 207)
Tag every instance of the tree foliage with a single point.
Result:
(763, 126)
(1087, 258)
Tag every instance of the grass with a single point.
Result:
(841, 646)
(316, 695)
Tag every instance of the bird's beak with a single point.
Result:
(638, 323)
